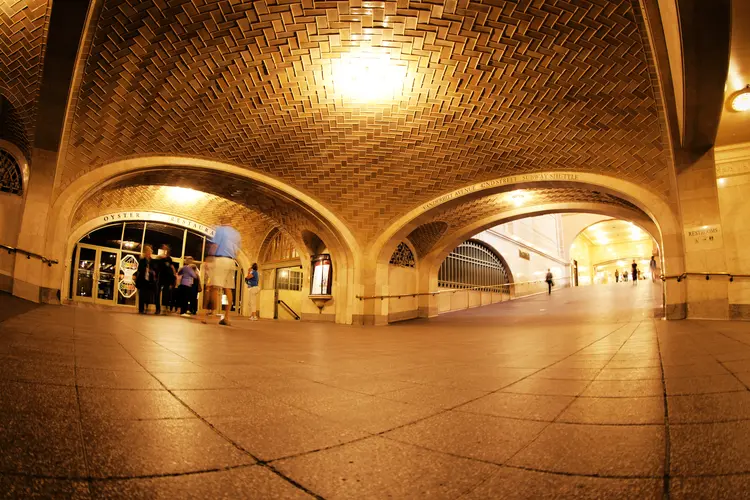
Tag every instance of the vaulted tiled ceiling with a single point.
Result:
(23, 33)
(207, 209)
(492, 88)
(446, 223)
(266, 208)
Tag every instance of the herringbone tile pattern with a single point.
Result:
(494, 88)
(23, 33)
(445, 223)
(208, 209)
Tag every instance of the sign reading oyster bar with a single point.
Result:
(156, 217)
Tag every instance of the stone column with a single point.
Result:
(30, 276)
(703, 237)
(733, 181)
(428, 282)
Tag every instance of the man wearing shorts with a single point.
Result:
(222, 250)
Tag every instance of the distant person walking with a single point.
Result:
(222, 250)
(186, 276)
(634, 272)
(617, 275)
(652, 268)
(145, 280)
(550, 282)
(253, 289)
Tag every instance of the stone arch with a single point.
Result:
(425, 236)
(651, 206)
(433, 261)
(340, 241)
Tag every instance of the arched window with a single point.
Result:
(10, 174)
(403, 256)
(473, 264)
(278, 247)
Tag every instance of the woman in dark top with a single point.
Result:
(145, 280)
(165, 278)
(635, 273)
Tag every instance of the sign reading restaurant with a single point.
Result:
(156, 217)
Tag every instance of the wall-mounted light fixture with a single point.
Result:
(740, 101)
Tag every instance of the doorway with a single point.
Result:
(96, 277)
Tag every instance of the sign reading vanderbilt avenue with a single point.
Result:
(156, 217)
(515, 179)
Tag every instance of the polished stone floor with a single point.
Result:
(578, 395)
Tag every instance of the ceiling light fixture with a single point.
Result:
(518, 197)
(368, 76)
(183, 195)
(740, 101)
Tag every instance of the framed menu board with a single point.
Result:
(322, 275)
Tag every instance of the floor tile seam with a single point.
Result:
(227, 438)
(666, 477)
(563, 422)
(687, 394)
(734, 375)
(712, 422)
(86, 459)
(95, 479)
(540, 369)
(575, 398)
(89, 418)
(32, 382)
(531, 469)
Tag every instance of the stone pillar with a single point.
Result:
(703, 237)
(733, 180)
(373, 282)
(30, 276)
(428, 282)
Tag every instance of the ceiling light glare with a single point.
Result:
(518, 198)
(368, 77)
(741, 100)
(183, 195)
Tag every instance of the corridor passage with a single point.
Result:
(578, 395)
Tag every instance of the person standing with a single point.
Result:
(165, 278)
(617, 275)
(195, 290)
(186, 276)
(549, 281)
(634, 273)
(145, 280)
(652, 268)
(222, 250)
(253, 289)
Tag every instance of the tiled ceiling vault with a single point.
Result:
(207, 209)
(262, 208)
(445, 223)
(23, 33)
(492, 88)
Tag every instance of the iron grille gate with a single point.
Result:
(473, 264)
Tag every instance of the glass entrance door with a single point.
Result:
(106, 277)
(96, 275)
(85, 270)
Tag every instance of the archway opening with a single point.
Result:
(604, 253)
(104, 260)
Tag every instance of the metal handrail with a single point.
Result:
(482, 288)
(296, 316)
(680, 277)
(29, 255)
